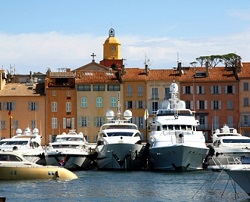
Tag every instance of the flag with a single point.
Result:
(146, 114)
(9, 113)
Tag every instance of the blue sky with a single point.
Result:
(35, 35)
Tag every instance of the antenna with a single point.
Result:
(177, 57)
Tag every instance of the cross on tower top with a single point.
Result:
(93, 57)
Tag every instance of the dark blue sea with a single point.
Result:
(128, 186)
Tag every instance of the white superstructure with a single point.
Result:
(70, 150)
(119, 144)
(175, 144)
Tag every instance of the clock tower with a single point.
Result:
(112, 51)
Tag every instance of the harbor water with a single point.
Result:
(128, 186)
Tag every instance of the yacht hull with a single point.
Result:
(33, 173)
(241, 177)
(120, 156)
(69, 161)
(177, 158)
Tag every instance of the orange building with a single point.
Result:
(60, 103)
(22, 105)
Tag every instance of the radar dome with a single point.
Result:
(110, 114)
(127, 114)
(19, 131)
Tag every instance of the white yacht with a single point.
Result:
(175, 144)
(70, 150)
(26, 142)
(229, 147)
(119, 144)
(13, 166)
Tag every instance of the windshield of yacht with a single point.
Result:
(236, 140)
(13, 142)
(63, 139)
(120, 134)
(8, 157)
(66, 146)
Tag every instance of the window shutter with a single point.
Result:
(64, 123)
(233, 89)
(183, 90)
(212, 104)
(205, 104)
(219, 88)
(73, 123)
(197, 104)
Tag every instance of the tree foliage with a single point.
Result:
(229, 60)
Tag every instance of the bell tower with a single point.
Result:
(112, 51)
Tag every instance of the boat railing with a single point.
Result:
(228, 160)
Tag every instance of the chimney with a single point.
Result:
(206, 65)
(179, 68)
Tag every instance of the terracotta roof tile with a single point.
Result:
(20, 89)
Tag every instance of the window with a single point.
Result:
(2, 125)
(154, 106)
(129, 105)
(230, 122)
(246, 133)
(113, 102)
(84, 102)
(84, 87)
(9, 106)
(155, 93)
(129, 91)
(113, 87)
(54, 123)
(189, 104)
(15, 123)
(140, 122)
(68, 94)
(229, 104)
(200, 90)
(68, 106)
(229, 89)
(245, 86)
(99, 102)
(167, 93)
(216, 122)
(201, 104)
(215, 89)
(33, 106)
(98, 87)
(33, 124)
(140, 91)
(54, 106)
(245, 102)
(0, 106)
(53, 93)
(140, 104)
(187, 89)
(246, 119)
(84, 121)
(99, 121)
(215, 104)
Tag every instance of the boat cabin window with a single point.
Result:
(236, 140)
(183, 127)
(65, 146)
(120, 134)
(177, 127)
(171, 127)
(9, 157)
(63, 139)
(14, 143)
